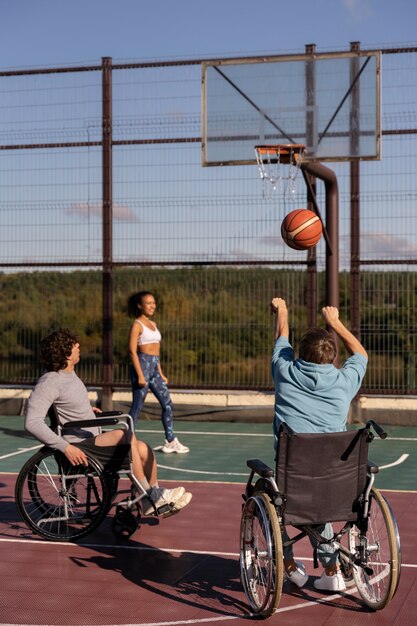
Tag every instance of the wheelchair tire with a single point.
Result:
(58, 501)
(124, 523)
(261, 559)
(380, 551)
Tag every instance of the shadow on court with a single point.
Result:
(182, 569)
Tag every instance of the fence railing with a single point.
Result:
(103, 193)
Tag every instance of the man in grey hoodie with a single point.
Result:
(60, 386)
(314, 396)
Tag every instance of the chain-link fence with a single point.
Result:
(103, 194)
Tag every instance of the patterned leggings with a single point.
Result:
(159, 388)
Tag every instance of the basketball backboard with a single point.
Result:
(330, 102)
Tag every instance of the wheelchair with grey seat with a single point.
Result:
(61, 502)
(319, 478)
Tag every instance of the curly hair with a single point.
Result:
(135, 301)
(56, 348)
(318, 346)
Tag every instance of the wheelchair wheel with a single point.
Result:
(58, 501)
(379, 551)
(261, 564)
(125, 523)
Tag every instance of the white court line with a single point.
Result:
(191, 471)
(20, 451)
(134, 548)
(400, 460)
(220, 434)
(206, 432)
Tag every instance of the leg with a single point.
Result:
(138, 394)
(121, 437)
(161, 392)
(326, 554)
(295, 570)
(332, 578)
(145, 471)
(148, 461)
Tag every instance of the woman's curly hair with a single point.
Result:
(135, 301)
(56, 348)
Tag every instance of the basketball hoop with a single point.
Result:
(270, 158)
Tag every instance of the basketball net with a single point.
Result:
(274, 176)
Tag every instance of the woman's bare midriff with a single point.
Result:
(150, 348)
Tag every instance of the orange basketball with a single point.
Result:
(301, 229)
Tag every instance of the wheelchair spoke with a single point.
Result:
(60, 504)
(377, 552)
(261, 555)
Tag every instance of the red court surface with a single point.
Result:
(182, 570)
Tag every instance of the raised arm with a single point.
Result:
(279, 308)
(331, 317)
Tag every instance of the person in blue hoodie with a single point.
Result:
(314, 396)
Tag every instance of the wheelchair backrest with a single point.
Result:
(53, 418)
(320, 476)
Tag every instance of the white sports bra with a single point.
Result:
(148, 335)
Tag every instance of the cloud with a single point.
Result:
(387, 246)
(121, 212)
(360, 10)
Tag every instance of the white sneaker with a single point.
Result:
(298, 576)
(174, 446)
(330, 583)
(161, 497)
(179, 504)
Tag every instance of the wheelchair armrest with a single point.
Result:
(97, 421)
(372, 467)
(124, 419)
(260, 468)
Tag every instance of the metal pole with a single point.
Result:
(355, 278)
(332, 226)
(354, 202)
(107, 192)
(310, 134)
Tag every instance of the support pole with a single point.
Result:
(107, 196)
(310, 80)
(355, 277)
(332, 227)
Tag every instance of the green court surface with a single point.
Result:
(218, 451)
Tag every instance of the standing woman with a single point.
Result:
(145, 371)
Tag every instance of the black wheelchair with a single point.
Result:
(61, 502)
(319, 478)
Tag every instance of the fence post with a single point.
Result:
(107, 217)
(310, 134)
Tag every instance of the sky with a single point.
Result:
(37, 33)
(54, 33)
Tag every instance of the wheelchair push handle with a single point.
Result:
(377, 428)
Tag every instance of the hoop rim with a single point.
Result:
(284, 152)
